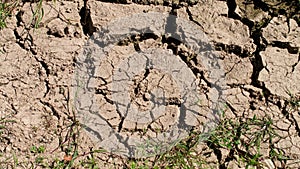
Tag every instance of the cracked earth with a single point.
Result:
(259, 51)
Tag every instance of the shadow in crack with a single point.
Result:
(86, 20)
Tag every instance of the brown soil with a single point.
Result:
(259, 51)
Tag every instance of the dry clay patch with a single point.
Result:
(37, 73)
(53, 63)
(276, 79)
(189, 114)
(139, 90)
(44, 96)
(247, 100)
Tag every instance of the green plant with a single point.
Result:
(4, 121)
(90, 160)
(294, 101)
(183, 154)
(6, 10)
(35, 150)
(38, 14)
(243, 138)
(69, 144)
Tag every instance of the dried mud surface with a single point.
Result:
(260, 53)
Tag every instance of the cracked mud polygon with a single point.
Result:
(255, 43)
(146, 103)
